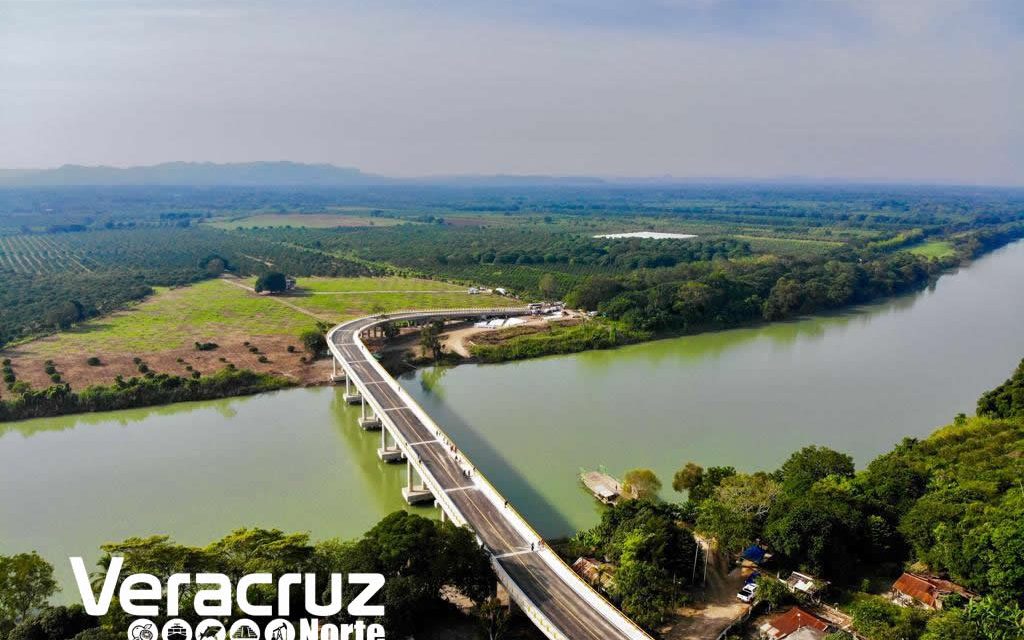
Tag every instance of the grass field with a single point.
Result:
(315, 220)
(340, 298)
(350, 285)
(933, 249)
(215, 309)
(789, 246)
(174, 318)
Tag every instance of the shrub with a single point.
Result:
(206, 346)
(254, 349)
(50, 369)
(180, 360)
(93, 361)
(137, 360)
(9, 377)
(188, 367)
(55, 377)
(291, 348)
(20, 387)
(143, 368)
(7, 362)
(314, 341)
(222, 359)
(264, 359)
(195, 375)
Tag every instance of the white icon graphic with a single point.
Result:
(142, 629)
(176, 629)
(211, 630)
(279, 629)
(244, 629)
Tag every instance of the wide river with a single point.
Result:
(858, 381)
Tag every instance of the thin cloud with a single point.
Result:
(857, 89)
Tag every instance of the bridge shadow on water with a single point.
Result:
(540, 512)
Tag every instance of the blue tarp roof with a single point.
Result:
(753, 553)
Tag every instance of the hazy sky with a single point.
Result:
(922, 90)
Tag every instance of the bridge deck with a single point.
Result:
(550, 591)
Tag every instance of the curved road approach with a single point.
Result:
(562, 605)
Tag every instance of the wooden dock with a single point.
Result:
(604, 487)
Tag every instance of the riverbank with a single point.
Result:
(145, 391)
(277, 355)
(856, 380)
(631, 327)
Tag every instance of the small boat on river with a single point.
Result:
(605, 487)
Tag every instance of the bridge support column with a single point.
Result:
(387, 452)
(336, 376)
(413, 493)
(351, 394)
(368, 421)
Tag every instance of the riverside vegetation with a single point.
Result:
(951, 504)
(138, 391)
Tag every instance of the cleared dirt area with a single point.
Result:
(715, 607)
(29, 365)
(165, 327)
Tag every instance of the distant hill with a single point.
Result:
(194, 174)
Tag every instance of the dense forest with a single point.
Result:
(1006, 400)
(710, 294)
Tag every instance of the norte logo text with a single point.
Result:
(144, 595)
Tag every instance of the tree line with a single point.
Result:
(723, 293)
(138, 391)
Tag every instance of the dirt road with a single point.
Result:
(714, 608)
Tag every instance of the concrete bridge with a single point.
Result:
(560, 603)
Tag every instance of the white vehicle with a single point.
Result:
(748, 592)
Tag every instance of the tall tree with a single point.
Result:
(548, 286)
(430, 339)
(26, 584)
(642, 484)
(273, 282)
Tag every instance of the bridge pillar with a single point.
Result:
(413, 493)
(388, 453)
(368, 421)
(351, 394)
(336, 376)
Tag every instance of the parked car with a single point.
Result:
(748, 592)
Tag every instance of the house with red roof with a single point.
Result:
(920, 590)
(792, 622)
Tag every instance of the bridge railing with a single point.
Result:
(553, 560)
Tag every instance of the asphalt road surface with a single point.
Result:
(574, 616)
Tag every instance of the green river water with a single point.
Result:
(858, 381)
